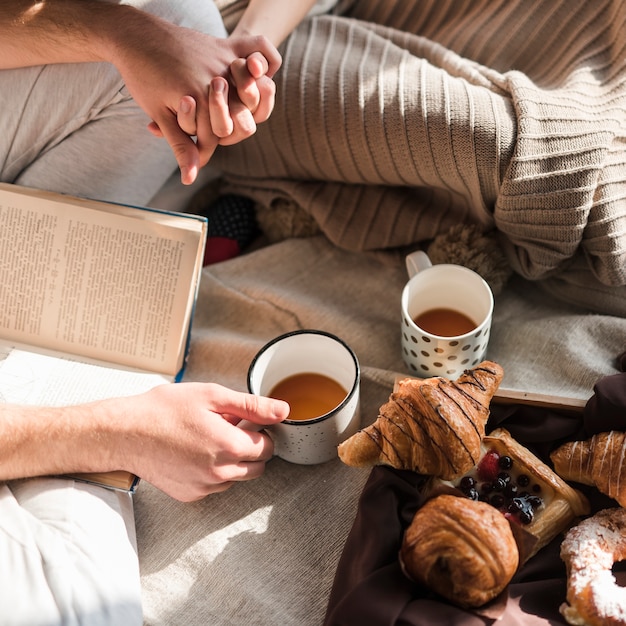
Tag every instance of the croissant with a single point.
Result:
(430, 426)
(599, 461)
(462, 549)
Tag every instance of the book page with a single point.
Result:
(115, 285)
(43, 380)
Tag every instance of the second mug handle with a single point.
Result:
(417, 261)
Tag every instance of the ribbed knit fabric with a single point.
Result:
(398, 119)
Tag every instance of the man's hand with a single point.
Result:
(183, 438)
(160, 63)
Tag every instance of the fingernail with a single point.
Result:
(185, 106)
(281, 409)
(188, 175)
(218, 86)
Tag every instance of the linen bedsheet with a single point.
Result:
(266, 551)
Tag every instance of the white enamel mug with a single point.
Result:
(315, 440)
(451, 287)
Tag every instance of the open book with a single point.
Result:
(97, 300)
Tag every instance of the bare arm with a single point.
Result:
(180, 437)
(64, 31)
(274, 19)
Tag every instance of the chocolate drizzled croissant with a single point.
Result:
(431, 426)
(599, 461)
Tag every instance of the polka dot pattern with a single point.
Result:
(315, 441)
(426, 356)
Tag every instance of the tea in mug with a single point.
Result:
(309, 395)
(445, 322)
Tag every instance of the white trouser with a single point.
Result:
(67, 555)
(67, 550)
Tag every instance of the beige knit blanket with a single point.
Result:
(397, 119)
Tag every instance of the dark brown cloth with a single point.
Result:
(369, 587)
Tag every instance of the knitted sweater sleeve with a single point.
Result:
(565, 189)
(397, 120)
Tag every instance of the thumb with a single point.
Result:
(259, 411)
(251, 411)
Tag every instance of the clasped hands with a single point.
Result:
(234, 103)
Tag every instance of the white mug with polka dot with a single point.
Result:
(436, 290)
(314, 440)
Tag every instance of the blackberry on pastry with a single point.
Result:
(526, 492)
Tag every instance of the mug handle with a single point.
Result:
(417, 261)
